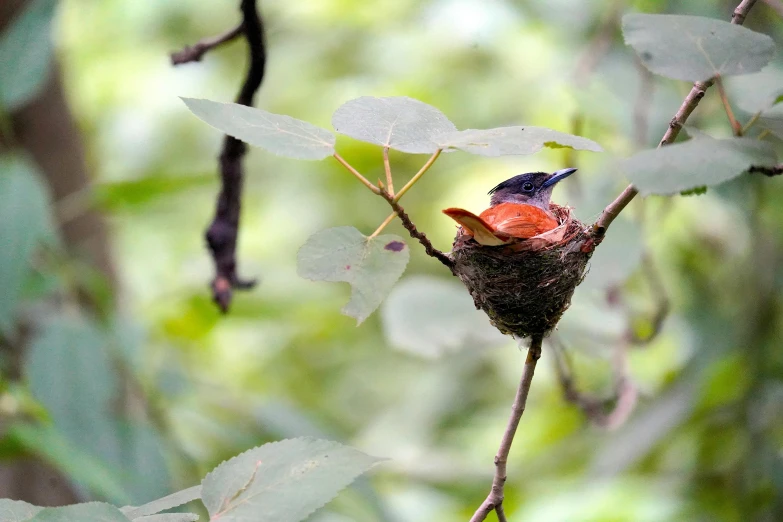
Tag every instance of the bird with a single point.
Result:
(518, 209)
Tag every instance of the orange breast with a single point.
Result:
(519, 220)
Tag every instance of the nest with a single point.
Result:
(526, 285)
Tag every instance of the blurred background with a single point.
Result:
(659, 398)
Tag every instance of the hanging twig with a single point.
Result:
(494, 500)
(688, 105)
(222, 232)
(196, 52)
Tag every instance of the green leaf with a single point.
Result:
(400, 123)
(88, 512)
(371, 265)
(282, 135)
(16, 510)
(24, 221)
(162, 504)
(697, 191)
(26, 53)
(504, 141)
(282, 481)
(168, 517)
(695, 48)
(430, 317)
(772, 119)
(756, 92)
(695, 163)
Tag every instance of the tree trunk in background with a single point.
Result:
(46, 131)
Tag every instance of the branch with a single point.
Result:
(777, 170)
(196, 52)
(685, 110)
(222, 232)
(415, 234)
(495, 498)
(662, 304)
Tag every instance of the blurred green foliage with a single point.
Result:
(705, 440)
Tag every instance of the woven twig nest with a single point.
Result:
(526, 285)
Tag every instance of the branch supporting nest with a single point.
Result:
(414, 232)
(221, 235)
(494, 500)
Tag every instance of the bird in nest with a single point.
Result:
(518, 209)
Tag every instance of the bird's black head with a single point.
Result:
(533, 188)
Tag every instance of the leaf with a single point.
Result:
(504, 141)
(26, 53)
(282, 135)
(162, 504)
(282, 481)
(87, 512)
(756, 92)
(370, 265)
(695, 163)
(696, 191)
(695, 48)
(772, 119)
(400, 123)
(24, 221)
(16, 510)
(429, 316)
(168, 517)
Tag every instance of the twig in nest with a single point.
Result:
(604, 413)
(415, 234)
(195, 52)
(222, 232)
(495, 498)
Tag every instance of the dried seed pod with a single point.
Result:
(526, 285)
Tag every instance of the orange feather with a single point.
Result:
(496, 225)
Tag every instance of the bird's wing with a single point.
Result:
(475, 226)
(519, 220)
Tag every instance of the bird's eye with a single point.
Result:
(527, 187)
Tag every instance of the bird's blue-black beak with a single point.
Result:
(558, 176)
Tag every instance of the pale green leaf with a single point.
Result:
(26, 53)
(16, 510)
(516, 140)
(162, 504)
(87, 512)
(24, 221)
(695, 163)
(370, 265)
(168, 517)
(399, 123)
(756, 92)
(430, 316)
(282, 481)
(772, 119)
(695, 48)
(280, 134)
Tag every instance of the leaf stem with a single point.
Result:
(384, 224)
(735, 125)
(418, 175)
(494, 500)
(751, 122)
(387, 168)
(763, 134)
(356, 173)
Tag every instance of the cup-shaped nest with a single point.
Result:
(526, 285)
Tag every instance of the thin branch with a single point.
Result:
(413, 231)
(735, 125)
(387, 168)
(417, 176)
(223, 231)
(196, 52)
(661, 297)
(777, 170)
(495, 498)
(356, 173)
(685, 110)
